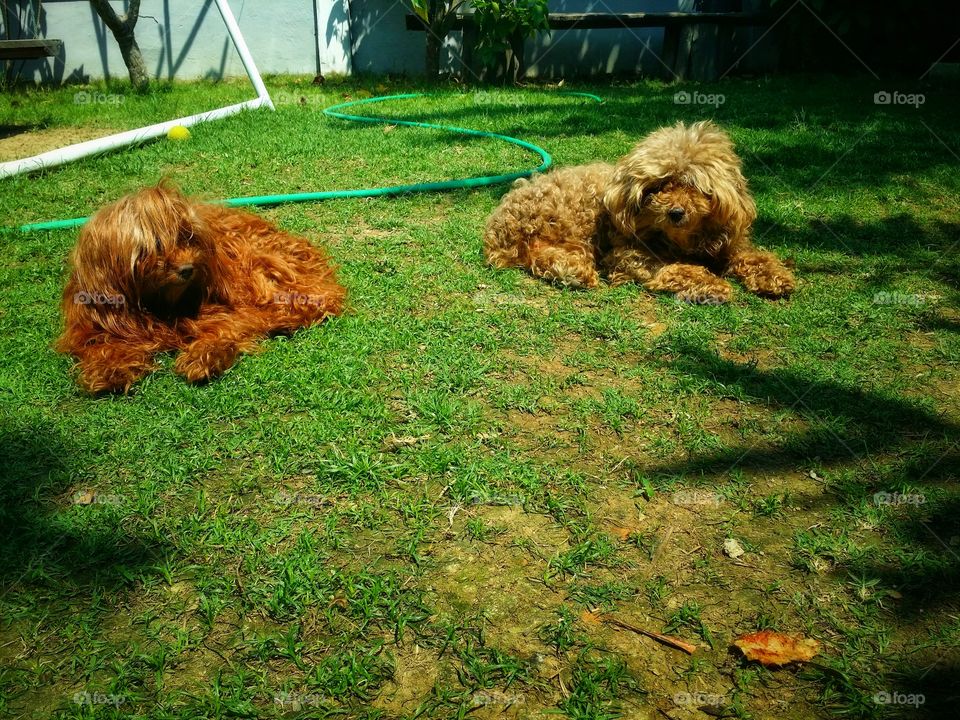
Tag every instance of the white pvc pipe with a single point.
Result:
(69, 153)
(245, 57)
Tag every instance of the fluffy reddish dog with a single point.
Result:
(156, 272)
(673, 215)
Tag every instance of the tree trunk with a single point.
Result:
(433, 56)
(133, 59)
(123, 31)
(435, 31)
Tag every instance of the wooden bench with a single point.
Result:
(29, 49)
(682, 31)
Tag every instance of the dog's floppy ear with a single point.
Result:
(97, 298)
(717, 173)
(732, 208)
(624, 195)
(91, 316)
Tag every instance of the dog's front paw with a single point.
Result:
(112, 367)
(97, 380)
(582, 281)
(764, 274)
(776, 283)
(203, 360)
(565, 268)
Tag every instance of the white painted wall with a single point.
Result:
(180, 39)
(333, 36)
(185, 39)
(382, 44)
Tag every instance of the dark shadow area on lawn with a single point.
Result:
(48, 538)
(867, 154)
(924, 689)
(849, 426)
(933, 323)
(939, 685)
(850, 423)
(928, 579)
(897, 446)
(8, 131)
(809, 141)
(906, 246)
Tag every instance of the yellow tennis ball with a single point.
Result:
(178, 132)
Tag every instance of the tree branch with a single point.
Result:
(122, 28)
(133, 13)
(108, 15)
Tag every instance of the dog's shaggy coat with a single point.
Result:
(674, 214)
(156, 272)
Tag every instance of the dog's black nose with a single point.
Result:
(676, 214)
(185, 272)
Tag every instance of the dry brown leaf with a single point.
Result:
(84, 497)
(623, 533)
(772, 648)
(588, 617)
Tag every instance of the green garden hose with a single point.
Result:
(334, 112)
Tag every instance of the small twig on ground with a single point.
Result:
(666, 539)
(664, 639)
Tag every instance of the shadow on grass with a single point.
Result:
(896, 446)
(9, 131)
(849, 423)
(786, 105)
(47, 536)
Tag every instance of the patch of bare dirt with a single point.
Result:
(33, 141)
(501, 577)
(416, 672)
(499, 580)
(540, 432)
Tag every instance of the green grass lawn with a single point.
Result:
(410, 510)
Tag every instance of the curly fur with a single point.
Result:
(156, 272)
(674, 215)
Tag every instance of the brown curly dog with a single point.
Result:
(157, 271)
(674, 215)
